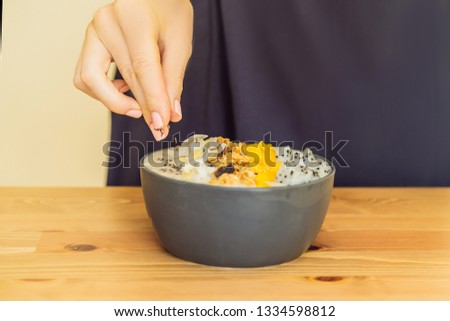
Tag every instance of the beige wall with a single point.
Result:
(50, 134)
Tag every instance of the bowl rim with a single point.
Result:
(142, 167)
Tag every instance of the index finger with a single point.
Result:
(140, 32)
(94, 63)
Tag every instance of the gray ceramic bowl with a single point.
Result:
(235, 227)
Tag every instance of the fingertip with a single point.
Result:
(124, 89)
(121, 85)
(177, 108)
(135, 113)
(159, 133)
(157, 120)
(176, 115)
(156, 125)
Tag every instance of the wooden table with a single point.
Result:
(98, 244)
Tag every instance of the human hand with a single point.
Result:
(151, 42)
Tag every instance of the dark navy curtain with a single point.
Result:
(366, 83)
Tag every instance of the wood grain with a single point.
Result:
(98, 244)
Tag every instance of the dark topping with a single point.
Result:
(224, 170)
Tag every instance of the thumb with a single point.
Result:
(174, 60)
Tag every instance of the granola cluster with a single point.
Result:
(241, 164)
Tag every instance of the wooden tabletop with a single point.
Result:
(98, 244)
